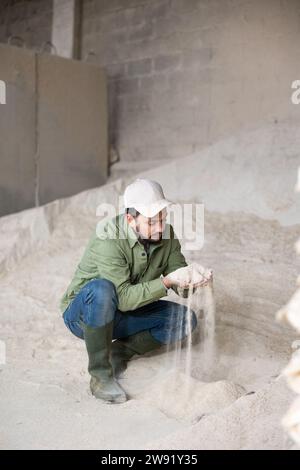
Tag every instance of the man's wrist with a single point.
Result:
(165, 283)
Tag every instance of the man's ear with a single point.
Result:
(129, 218)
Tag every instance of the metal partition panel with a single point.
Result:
(72, 127)
(17, 130)
(53, 128)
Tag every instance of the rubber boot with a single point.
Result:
(98, 344)
(123, 350)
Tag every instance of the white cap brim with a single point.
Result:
(152, 209)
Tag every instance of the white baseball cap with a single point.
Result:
(146, 196)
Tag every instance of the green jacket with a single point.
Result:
(115, 253)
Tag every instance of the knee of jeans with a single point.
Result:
(185, 315)
(194, 320)
(101, 302)
(101, 291)
(191, 318)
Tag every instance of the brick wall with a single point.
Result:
(183, 73)
(30, 19)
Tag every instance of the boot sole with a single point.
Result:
(118, 397)
(111, 401)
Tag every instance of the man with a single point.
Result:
(116, 289)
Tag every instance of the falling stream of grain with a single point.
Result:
(202, 300)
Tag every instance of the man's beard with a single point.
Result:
(148, 240)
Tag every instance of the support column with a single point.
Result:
(66, 27)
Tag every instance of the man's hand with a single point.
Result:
(207, 277)
(185, 282)
(167, 282)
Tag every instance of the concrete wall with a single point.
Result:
(184, 73)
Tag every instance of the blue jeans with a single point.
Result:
(97, 304)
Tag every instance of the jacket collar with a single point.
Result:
(130, 234)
